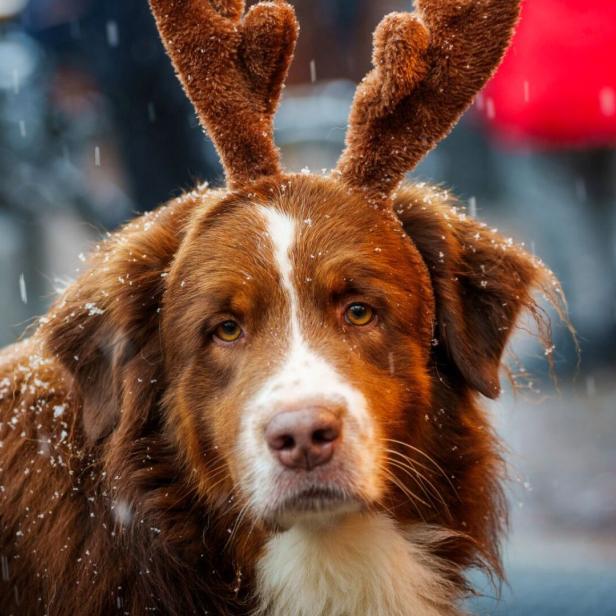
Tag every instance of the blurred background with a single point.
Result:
(94, 128)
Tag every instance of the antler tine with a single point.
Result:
(427, 69)
(232, 69)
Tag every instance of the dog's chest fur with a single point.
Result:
(365, 565)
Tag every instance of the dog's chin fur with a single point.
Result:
(314, 512)
(360, 563)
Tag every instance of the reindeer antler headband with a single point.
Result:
(428, 67)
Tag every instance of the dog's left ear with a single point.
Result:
(481, 281)
(104, 328)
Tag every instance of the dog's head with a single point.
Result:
(297, 327)
(299, 330)
(290, 341)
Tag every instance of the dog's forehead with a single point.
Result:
(314, 224)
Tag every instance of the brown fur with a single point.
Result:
(129, 377)
(119, 471)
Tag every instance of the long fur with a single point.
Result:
(112, 490)
(362, 565)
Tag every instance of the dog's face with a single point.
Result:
(301, 352)
(298, 330)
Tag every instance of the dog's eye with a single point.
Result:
(359, 314)
(228, 331)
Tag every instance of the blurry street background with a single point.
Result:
(94, 128)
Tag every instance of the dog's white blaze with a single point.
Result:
(281, 230)
(363, 564)
(303, 377)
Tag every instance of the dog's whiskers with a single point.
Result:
(428, 488)
(413, 498)
(427, 457)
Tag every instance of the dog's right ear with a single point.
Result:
(481, 281)
(106, 323)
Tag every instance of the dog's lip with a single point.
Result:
(315, 495)
(315, 500)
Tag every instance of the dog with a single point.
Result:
(265, 399)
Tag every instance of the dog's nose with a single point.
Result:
(304, 438)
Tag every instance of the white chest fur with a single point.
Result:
(363, 566)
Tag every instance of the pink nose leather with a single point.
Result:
(304, 438)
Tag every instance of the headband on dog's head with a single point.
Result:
(428, 66)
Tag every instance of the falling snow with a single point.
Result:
(23, 293)
(113, 34)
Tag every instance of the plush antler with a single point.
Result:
(232, 69)
(427, 69)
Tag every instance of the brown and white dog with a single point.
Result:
(264, 400)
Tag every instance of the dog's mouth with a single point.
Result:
(316, 499)
(316, 503)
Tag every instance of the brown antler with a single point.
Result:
(232, 69)
(427, 69)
